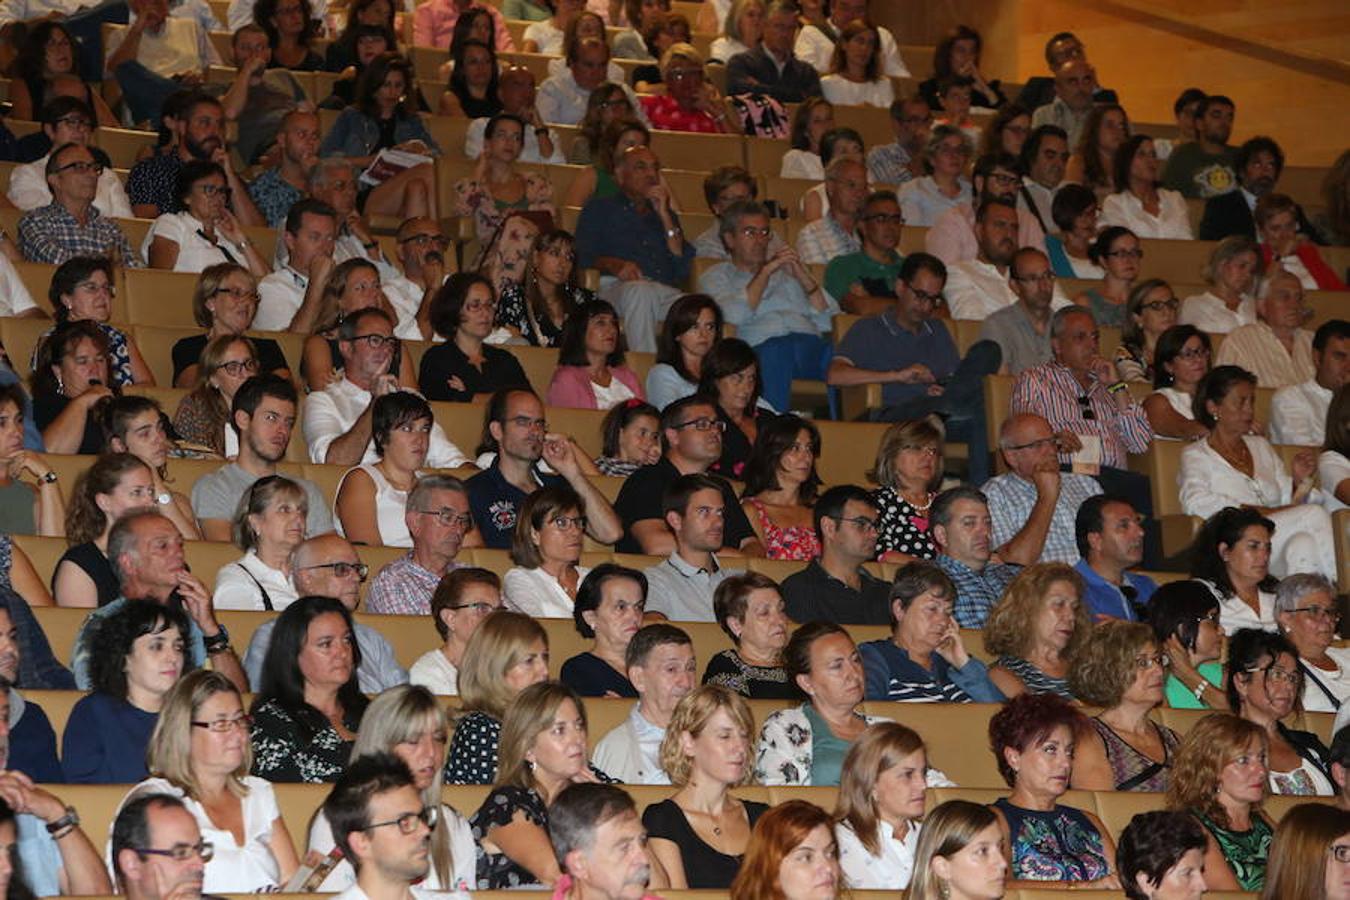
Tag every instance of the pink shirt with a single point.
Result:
(952, 237)
(434, 22)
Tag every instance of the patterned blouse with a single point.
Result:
(1246, 852)
(901, 527)
(786, 542)
(1132, 770)
(512, 311)
(497, 871)
(473, 750)
(473, 198)
(281, 753)
(119, 357)
(1059, 845)
(728, 669)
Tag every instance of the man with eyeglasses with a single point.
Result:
(263, 416)
(979, 287)
(421, 252)
(777, 306)
(381, 826)
(952, 238)
(863, 283)
(835, 233)
(1298, 413)
(279, 188)
(338, 419)
(327, 566)
(437, 514)
(157, 850)
(1040, 90)
(518, 95)
(563, 96)
(1022, 330)
(1110, 542)
(902, 159)
(692, 437)
(773, 68)
(67, 120)
(1274, 348)
(681, 587)
(835, 587)
(71, 225)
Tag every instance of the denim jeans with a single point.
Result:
(790, 356)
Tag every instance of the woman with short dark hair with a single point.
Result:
(1184, 616)
(731, 381)
(630, 438)
(749, 608)
(1181, 361)
(591, 373)
(1161, 856)
(372, 498)
(82, 290)
(1074, 212)
(1118, 251)
(35, 507)
(465, 367)
(609, 607)
(70, 381)
(205, 232)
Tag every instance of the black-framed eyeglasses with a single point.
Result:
(1319, 612)
(1032, 445)
(862, 523)
(934, 299)
(237, 293)
(342, 569)
(1085, 407)
(81, 166)
(1046, 277)
(225, 726)
(447, 516)
(702, 423)
(480, 608)
(376, 341)
(215, 190)
(237, 367)
(408, 822)
(181, 852)
(74, 121)
(885, 218)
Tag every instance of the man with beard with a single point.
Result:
(952, 237)
(381, 826)
(1259, 163)
(1111, 541)
(1205, 167)
(600, 844)
(200, 134)
(978, 287)
(157, 850)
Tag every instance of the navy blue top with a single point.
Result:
(591, 676)
(881, 344)
(613, 226)
(32, 746)
(494, 502)
(892, 675)
(105, 741)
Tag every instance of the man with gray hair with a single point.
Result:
(777, 306)
(1274, 348)
(836, 233)
(437, 515)
(146, 552)
(600, 844)
(1307, 613)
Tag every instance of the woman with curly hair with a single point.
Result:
(792, 856)
(1120, 669)
(1033, 741)
(49, 53)
(1219, 777)
(1309, 854)
(1161, 856)
(139, 657)
(1231, 556)
(1036, 629)
(781, 485)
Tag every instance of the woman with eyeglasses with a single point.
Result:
(462, 600)
(203, 416)
(908, 472)
(1310, 856)
(608, 611)
(115, 484)
(781, 486)
(352, 285)
(370, 506)
(269, 526)
(200, 753)
(1121, 670)
(1150, 311)
(465, 367)
(607, 104)
(82, 290)
(1265, 683)
(591, 373)
(205, 233)
(1236, 467)
(224, 303)
(1118, 251)
(1181, 360)
(409, 722)
(536, 308)
(1306, 610)
(1140, 203)
(923, 200)
(731, 380)
(1231, 273)
(550, 530)
(1074, 212)
(1184, 616)
(137, 425)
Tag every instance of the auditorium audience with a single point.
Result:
(1205, 167)
(750, 610)
(1282, 243)
(462, 598)
(834, 587)
(606, 105)
(202, 417)
(780, 488)
(1110, 538)
(436, 517)
(682, 586)
(961, 527)
(114, 484)
(1180, 362)
(1074, 92)
(136, 425)
(49, 58)
(35, 507)
(308, 705)
(599, 178)
(1149, 312)
(773, 68)
(629, 438)
(1231, 274)
(290, 298)
(998, 174)
(812, 120)
(1073, 211)
(269, 526)
(732, 384)
(158, 819)
(1093, 162)
(608, 610)
(70, 225)
(353, 285)
(276, 189)
(979, 287)
(565, 95)
(960, 854)
(1141, 204)
(1298, 413)
(1118, 252)
(497, 186)
(465, 366)
(546, 548)
(815, 42)
(205, 232)
(692, 327)
(1259, 163)
(701, 834)
(1333, 466)
(1231, 556)
(140, 654)
(924, 199)
(1306, 856)
(537, 307)
(880, 805)
(864, 282)
(908, 471)
(1033, 740)
(1035, 631)
(1161, 854)
(591, 373)
(82, 290)
(659, 661)
(371, 505)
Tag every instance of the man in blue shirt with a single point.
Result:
(1110, 541)
(913, 356)
(634, 238)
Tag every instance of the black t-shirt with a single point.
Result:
(704, 867)
(444, 361)
(188, 352)
(814, 594)
(640, 498)
(46, 407)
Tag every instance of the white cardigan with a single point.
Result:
(1209, 482)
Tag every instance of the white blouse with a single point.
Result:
(548, 36)
(1234, 613)
(1172, 220)
(842, 92)
(390, 508)
(1209, 483)
(435, 673)
(239, 585)
(1336, 681)
(537, 593)
(195, 252)
(611, 396)
(1332, 469)
(890, 870)
(724, 48)
(802, 164)
(1210, 314)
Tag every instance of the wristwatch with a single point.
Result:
(48, 478)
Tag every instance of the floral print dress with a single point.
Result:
(1059, 845)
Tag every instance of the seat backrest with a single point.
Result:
(160, 297)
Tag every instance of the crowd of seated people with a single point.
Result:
(994, 543)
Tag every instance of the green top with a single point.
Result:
(524, 9)
(1245, 851)
(827, 751)
(605, 185)
(1181, 697)
(845, 271)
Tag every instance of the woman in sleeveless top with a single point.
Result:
(1032, 738)
(1121, 668)
(116, 483)
(269, 526)
(1035, 630)
(780, 488)
(1118, 252)
(1151, 310)
(372, 496)
(908, 470)
(1180, 361)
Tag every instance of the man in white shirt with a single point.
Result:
(1045, 156)
(817, 47)
(290, 297)
(1274, 348)
(154, 56)
(681, 587)
(337, 420)
(381, 825)
(563, 97)
(147, 828)
(1298, 413)
(334, 181)
(661, 666)
(1075, 84)
(600, 844)
(66, 120)
(516, 90)
(421, 252)
(979, 287)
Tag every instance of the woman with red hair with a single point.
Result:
(792, 856)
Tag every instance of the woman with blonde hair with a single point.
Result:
(1219, 777)
(507, 653)
(960, 854)
(352, 285)
(881, 800)
(410, 723)
(224, 302)
(1035, 629)
(792, 856)
(701, 833)
(1310, 856)
(268, 526)
(200, 752)
(908, 471)
(203, 416)
(1231, 273)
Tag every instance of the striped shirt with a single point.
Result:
(1052, 392)
(892, 675)
(1256, 348)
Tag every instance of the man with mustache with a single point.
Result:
(1111, 541)
(380, 824)
(600, 844)
(157, 850)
